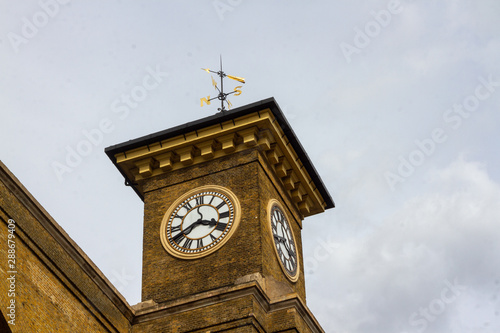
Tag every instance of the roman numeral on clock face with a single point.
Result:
(188, 206)
(187, 243)
(221, 226)
(200, 200)
(224, 215)
(199, 243)
(179, 237)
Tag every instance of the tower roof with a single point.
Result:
(160, 151)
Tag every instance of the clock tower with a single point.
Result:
(224, 200)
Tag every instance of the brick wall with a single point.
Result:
(166, 277)
(58, 289)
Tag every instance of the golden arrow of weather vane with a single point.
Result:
(222, 96)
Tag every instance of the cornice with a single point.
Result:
(149, 310)
(259, 130)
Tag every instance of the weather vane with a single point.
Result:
(222, 96)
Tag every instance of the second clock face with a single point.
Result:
(200, 222)
(284, 241)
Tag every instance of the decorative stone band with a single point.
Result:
(251, 289)
(259, 129)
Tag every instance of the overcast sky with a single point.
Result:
(396, 103)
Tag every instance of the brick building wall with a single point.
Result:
(54, 291)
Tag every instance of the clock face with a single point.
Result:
(284, 241)
(200, 222)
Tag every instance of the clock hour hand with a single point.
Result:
(211, 223)
(290, 252)
(280, 239)
(201, 221)
(191, 227)
(183, 233)
(283, 240)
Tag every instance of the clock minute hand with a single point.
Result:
(211, 222)
(200, 221)
(290, 252)
(190, 228)
(280, 239)
(283, 240)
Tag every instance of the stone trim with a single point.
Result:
(149, 310)
(254, 131)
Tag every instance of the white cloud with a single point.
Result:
(447, 235)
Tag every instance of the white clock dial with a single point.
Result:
(200, 222)
(284, 241)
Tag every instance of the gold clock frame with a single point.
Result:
(163, 228)
(270, 205)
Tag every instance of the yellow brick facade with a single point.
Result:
(54, 291)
